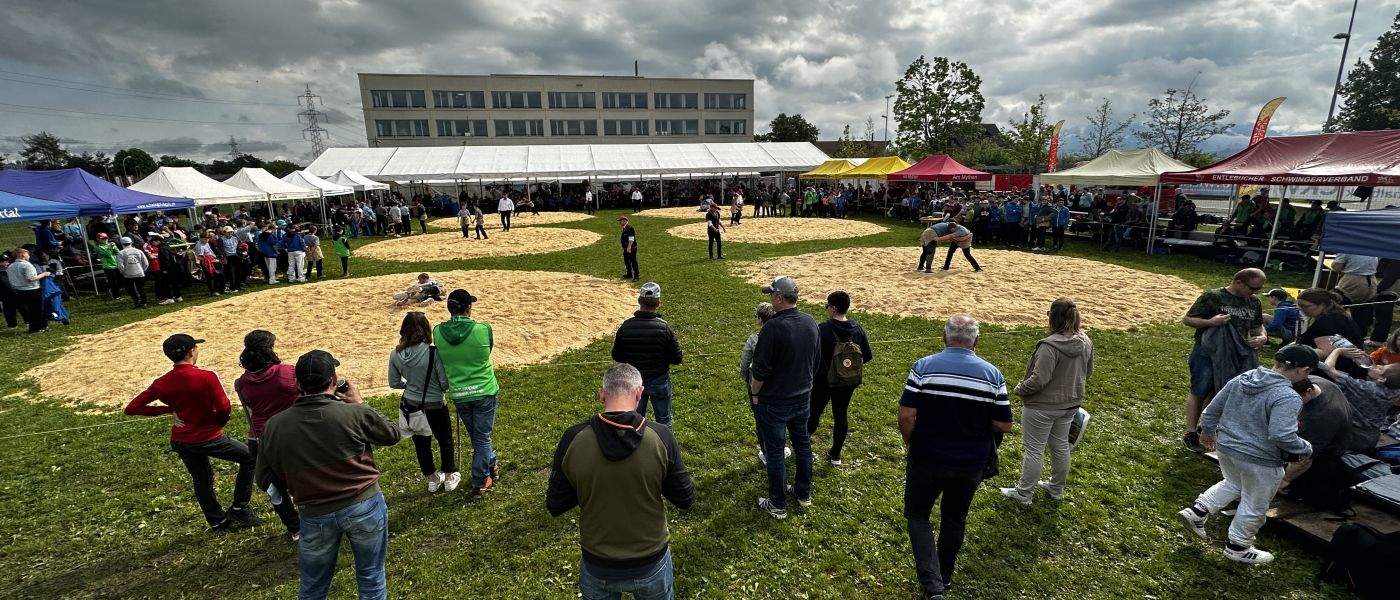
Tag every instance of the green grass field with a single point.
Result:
(107, 511)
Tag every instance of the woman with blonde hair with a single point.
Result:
(1051, 393)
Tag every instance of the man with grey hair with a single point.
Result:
(616, 467)
(954, 404)
(785, 358)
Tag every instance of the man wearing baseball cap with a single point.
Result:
(1253, 425)
(647, 342)
(320, 451)
(629, 250)
(785, 359)
(196, 397)
(464, 346)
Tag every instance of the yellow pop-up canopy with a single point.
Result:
(876, 168)
(829, 169)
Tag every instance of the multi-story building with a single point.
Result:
(450, 110)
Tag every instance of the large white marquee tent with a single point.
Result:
(186, 182)
(259, 180)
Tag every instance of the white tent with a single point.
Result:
(556, 161)
(1119, 168)
(356, 181)
(185, 182)
(258, 180)
(307, 180)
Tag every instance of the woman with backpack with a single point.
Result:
(414, 367)
(844, 351)
(1052, 392)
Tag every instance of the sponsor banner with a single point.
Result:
(1055, 148)
(1261, 125)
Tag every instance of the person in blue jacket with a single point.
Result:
(1011, 222)
(267, 247)
(994, 221)
(295, 247)
(1058, 223)
(1287, 320)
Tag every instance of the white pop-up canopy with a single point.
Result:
(356, 181)
(556, 161)
(259, 180)
(186, 182)
(1120, 168)
(307, 180)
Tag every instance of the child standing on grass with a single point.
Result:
(763, 314)
(342, 249)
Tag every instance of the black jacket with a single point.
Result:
(646, 341)
(787, 357)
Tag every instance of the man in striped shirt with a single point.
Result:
(953, 404)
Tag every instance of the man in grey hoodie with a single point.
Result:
(1253, 425)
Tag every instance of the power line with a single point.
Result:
(121, 91)
(20, 108)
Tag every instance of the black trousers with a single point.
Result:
(466, 230)
(716, 244)
(1039, 237)
(967, 252)
(629, 260)
(196, 458)
(505, 220)
(114, 282)
(926, 257)
(11, 307)
(345, 265)
(840, 400)
(136, 286)
(423, 225)
(286, 511)
(440, 421)
(1011, 234)
(237, 272)
(923, 485)
(159, 282)
(481, 231)
(1058, 237)
(1375, 319)
(31, 307)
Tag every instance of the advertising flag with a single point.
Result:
(1261, 125)
(1055, 147)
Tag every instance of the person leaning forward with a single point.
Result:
(1210, 363)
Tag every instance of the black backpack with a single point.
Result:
(847, 363)
(1363, 560)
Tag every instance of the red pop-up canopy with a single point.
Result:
(939, 167)
(1361, 158)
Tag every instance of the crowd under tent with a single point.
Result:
(356, 181)
(259, 180)
(186, 182)
(1122, 168)
(14, 207)
(939, 168)
(93, 195)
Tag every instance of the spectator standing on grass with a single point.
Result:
(629, 250)
(505, 207)
(9, 301)
(785, 359)
(1253, 426)
(464, 346)
(616, 468)
(295, 246)
(267, 248)
(315, 256)
(588, 205)
(106, 252)
(953, 405)
(235, 272)
(845, 348)
(1058, 222)
(420, 212)
(133, 264)
(24, 280)
(764, 313)
(1228, 352)
(196, 397)
(321, 451)
(1051, 394)
(636, 199)
(414, 368)
(265, 389)
(647, 342)
(714, 229)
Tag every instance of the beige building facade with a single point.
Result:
(499, 110)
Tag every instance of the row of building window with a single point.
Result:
(467, 99)
(557, 127)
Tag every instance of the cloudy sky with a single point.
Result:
(182, 76)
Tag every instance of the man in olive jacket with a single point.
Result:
(616, 467)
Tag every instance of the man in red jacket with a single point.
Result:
(197, 399)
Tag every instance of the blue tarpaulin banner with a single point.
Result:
(1368, 233)
(14, 207)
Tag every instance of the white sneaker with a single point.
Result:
(179, 298)
(1045, 485)
(787, 452)
(166, 301)
(451, 481)
(1015, 495)
(434, 482)
(1194, 523)
(1249, 556)
(803, 502)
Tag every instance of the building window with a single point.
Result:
(726, 101)
(573, 127)
(725, 127)
(398, 98)
(625, 127)
(573, 100)
(462, 128)
(402, 128)
(515, 100)
(675, 101)
(521, 128)
(678, 126)
(624, 100)
(447, 99)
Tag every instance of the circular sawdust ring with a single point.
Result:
(353, 319)
(493, 222)
(779, 231)
(679, 212)
(452, 246)
(1014, 289)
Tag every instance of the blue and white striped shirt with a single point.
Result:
(958, 396)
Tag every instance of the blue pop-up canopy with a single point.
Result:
(14, 207)
(1368, 233)
(92, 195)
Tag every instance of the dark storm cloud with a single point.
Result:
(161, 85)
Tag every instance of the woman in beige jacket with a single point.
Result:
(1051, 393)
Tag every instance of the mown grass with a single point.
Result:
(107, 511)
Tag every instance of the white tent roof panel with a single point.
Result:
(259, 180)
(304, 179)
(1119, 167)
(186, 182)
(356, 181)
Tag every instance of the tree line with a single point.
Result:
(44, 151)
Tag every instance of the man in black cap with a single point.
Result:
(320, 451)
(780, 387)
(629, 250)
(196, 397)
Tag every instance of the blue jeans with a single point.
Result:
(366, 524)
(656, 586)
(479, 417)
(773, 422)
(657, 392)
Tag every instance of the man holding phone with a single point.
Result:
(1235, 306)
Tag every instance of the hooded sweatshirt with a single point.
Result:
(408, 372)
(265, 393)
(1254, 418)
(1057, 371)
(616, 467)
(464, 347)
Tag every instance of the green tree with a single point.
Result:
(134, 162)
(97, 164)
(784, 128)
(1028, 140)
(43, 151)
(281, 168)
(170, 160)
(848, 147)
(1199, 158)
(1104, 133)
(939, 102)
(981, 151)
(1178, 123)
(1372, 89)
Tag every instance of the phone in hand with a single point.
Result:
(343, 387)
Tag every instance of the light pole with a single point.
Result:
(1340, 66)
(124, 174)
(887, 119)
